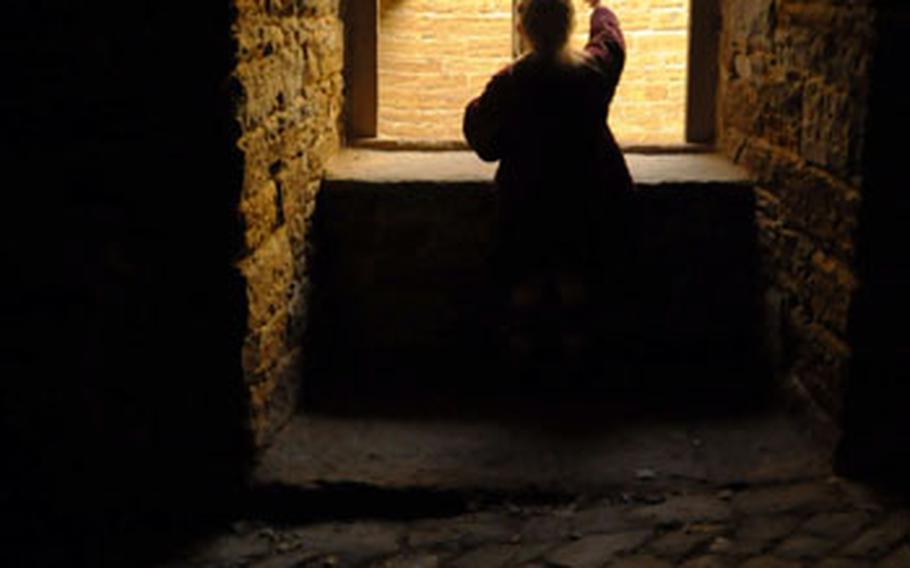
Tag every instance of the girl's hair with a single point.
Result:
(547, 23)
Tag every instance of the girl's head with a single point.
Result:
(546, 24)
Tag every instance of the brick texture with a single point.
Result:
(793, 104)
(290, 75)
(436, 56)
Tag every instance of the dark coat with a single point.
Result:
(563, 184)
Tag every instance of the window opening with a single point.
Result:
(414, 64)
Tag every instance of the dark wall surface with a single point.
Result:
(122, 387)
(876, 421)
(410, 301)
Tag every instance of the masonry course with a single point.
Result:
(793, 103)
(289, 74)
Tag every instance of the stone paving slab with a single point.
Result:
(794, 533)
(592, 456)
(751, 491)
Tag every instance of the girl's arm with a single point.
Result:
(606, 44)
(484, 119)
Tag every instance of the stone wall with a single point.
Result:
(437, 55)
(408, 275)
(289, 74)
(792, 108)
(142, 129)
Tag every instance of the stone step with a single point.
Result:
(582, 448)
(402, 266)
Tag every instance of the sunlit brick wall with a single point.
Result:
(435, 55)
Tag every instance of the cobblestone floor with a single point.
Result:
(825, 522)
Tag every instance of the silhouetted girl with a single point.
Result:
(563, 184)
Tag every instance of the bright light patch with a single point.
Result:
(435, 55)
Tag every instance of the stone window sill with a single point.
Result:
(459, 167)
(407, 145)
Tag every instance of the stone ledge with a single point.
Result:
(370, 167)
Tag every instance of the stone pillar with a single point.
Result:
(289, 72)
